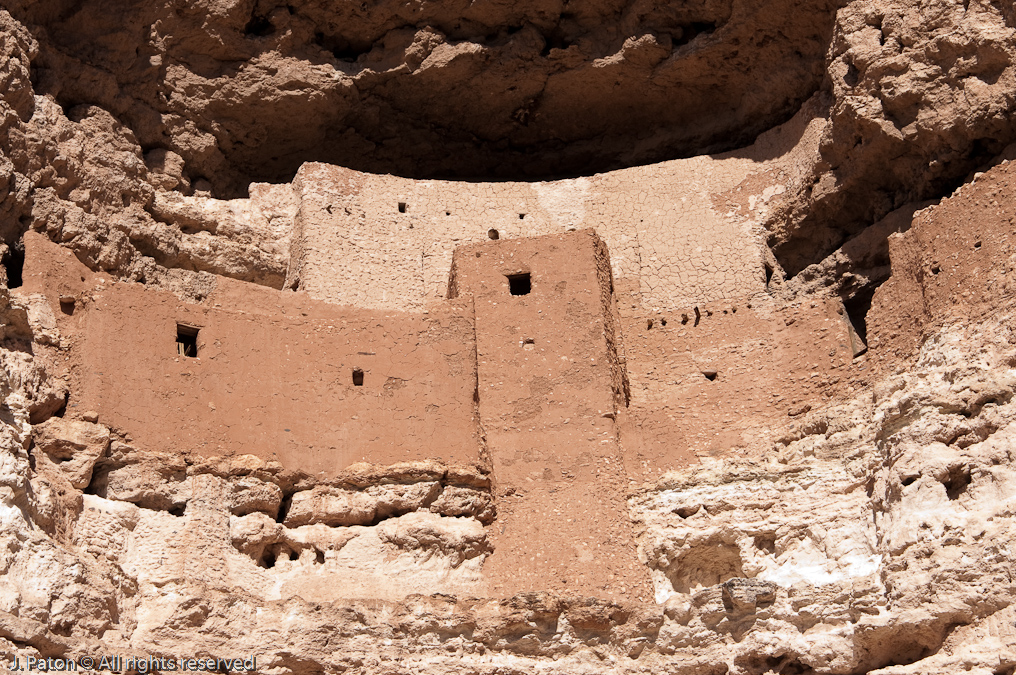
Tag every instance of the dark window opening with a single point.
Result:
(14, 262)
(522, 216)
(493, 234)
(402, 207)
(977, 244)
(649, 324)
(357, 377)
(663, 322)
(528, 341)
(710, 374)
(186, 340)
(67, 305)
(519, 284)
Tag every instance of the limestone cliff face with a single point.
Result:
(767, 428)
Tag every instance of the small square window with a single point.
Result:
(186, 340)
(519, 284)
(357, 377)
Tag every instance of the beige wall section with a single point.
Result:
(681, 232)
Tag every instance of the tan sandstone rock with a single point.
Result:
(75, 446)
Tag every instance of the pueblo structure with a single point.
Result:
(598, 338)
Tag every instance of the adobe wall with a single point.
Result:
(273, 376)
(703, 379)
(352, 245)
(549, 388)
(570, 394)
(955, 263)
(679, 233)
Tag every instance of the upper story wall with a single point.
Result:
(274, 372)
(547, 366)
(679, 233)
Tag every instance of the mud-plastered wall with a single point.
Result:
(680, 232)
(702, 378)
(548, 391)
(255, 371)
(956, 263)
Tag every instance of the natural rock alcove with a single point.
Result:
(250, 90)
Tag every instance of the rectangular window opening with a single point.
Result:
(519, 284)
(357, 377)
(186, 340)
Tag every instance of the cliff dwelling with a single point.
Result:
(379, 338)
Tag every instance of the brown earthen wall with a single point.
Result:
(956, 262)
(274, 372)
(548, 408)
(700, 384)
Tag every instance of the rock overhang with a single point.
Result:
(249, 90)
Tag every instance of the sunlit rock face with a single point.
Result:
(509, 338)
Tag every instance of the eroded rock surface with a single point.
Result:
(786, 448)
(250, 90)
